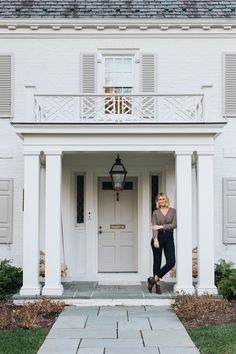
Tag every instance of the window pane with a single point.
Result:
(80, 199)
(154, 191)
(118, 71)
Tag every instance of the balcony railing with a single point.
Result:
(117, 108)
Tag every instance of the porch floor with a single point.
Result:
(92, 290)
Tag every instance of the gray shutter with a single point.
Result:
(5, 86)
(88, 73)
(230, 84)
(6, 210)
(229, 209)
(148, 73)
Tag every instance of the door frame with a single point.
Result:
(132, 174)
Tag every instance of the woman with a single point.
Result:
(163, 221)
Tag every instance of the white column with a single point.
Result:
(31, 285)
(183, 170)
(144, 224)
(53, 225)
(205, 192)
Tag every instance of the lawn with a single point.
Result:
(214, 339)
(18, 341)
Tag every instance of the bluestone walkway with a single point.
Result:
(118, 330)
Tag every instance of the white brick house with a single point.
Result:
(153, 83)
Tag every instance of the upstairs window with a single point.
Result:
(118, 79)
(118, 75)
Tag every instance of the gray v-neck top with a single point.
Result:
(168, 221)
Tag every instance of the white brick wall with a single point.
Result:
(11, 166)
(52, 65)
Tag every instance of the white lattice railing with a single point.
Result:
(116, 108)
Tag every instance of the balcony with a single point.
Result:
(114, 108)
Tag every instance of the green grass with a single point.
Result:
(214, 339)
(19, 341)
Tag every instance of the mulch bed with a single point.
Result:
(217, 317)
(222, 316)
(9, 318)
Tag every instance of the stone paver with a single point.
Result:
(133, 351)
(163, 338)
(111, 343)
(166, 323)
(181, 350)
(59, 346)
(134, 323)
(70, 322)
(80, 311)
(82, 333)
(116, 330)
(132, 333)
(90, 351)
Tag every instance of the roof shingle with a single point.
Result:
(163, 9)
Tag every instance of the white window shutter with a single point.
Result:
(5, 86)
(230, 84)
(6, 210)
(88, 73)
(229, 209)
(148, 73)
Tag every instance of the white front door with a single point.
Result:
(117, 227)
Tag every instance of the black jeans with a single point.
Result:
(166, 242)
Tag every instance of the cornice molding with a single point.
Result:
(70, 26)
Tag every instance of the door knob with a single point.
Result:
(100, 230)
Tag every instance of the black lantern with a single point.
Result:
(118, 174)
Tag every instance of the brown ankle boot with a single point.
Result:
(151, 282)
(158, 289)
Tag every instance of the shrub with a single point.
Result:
(225, 279)
(198, 310)
(222, 270)
(227, 287)
(10, 278)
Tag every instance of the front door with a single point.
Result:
(117, 227)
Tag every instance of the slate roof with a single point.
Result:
(164, 9)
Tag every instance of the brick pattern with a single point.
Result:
(122, 9)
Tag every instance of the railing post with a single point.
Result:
(207, 111)
(30, 91)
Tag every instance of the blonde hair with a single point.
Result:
(163, 195)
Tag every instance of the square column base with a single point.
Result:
(184, 290)
(28, 291)
(205, 290)
(57, 291)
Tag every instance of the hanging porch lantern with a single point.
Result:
(118, 174)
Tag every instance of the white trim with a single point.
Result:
(34, 24)
(124, 129)
(108, 302)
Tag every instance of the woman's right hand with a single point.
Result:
(156, 243)
(157, 227)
